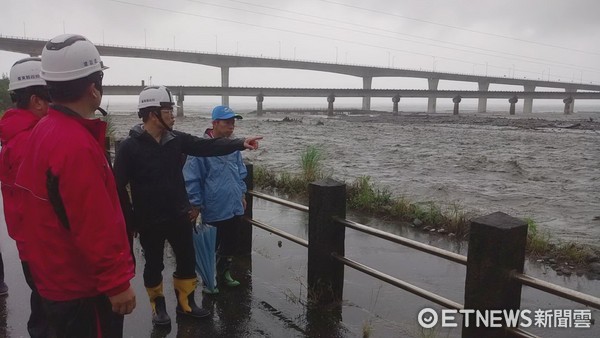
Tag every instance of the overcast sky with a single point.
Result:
(552, 39)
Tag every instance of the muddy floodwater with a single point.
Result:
(545, 166)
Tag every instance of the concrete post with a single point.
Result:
(367, 82)
(327, 198)
(568, 105)
(528, 101)
(225, 84)
(482, 103)
(396, 100)
(432, 100)
(496, 247)
(513, 100)
(456, 101)
(245, 232)
(330, 100)
(180, 98)
(259, 104)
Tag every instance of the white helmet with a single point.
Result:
(69, 57)
(156, 96)
(25, 73)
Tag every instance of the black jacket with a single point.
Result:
(153, 172)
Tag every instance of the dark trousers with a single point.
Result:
(228, 236)
(37, 325)
(179, 235)
(85, 317)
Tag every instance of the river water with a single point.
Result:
(485, 167)
(549, 174)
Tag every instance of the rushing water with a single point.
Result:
(549, 174)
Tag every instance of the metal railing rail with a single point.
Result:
(278, 232)
(278, 200)
(433, 297)
(399, 283)
(451, 256)
(556, 290)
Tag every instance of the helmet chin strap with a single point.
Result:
(157, 114)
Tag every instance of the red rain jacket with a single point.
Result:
(15, 127)
(75, 232)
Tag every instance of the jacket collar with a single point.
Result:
(96, 127)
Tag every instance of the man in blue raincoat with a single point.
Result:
(216, 187)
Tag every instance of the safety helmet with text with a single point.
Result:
(156, 97)
(25, 73)
(69, 57)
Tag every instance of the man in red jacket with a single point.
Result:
(30, 97)
(77, 245)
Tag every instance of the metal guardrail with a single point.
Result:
(556, 290)
(278, 232)
(278, 200)
(451, 256)
(522, 278)
(399, 283)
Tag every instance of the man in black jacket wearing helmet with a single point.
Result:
(150, 160)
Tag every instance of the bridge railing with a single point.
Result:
(495, 260)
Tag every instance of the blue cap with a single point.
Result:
(224, 113)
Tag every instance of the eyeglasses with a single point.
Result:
(168, 111)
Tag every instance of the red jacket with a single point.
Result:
(15, 127)
(75, 232)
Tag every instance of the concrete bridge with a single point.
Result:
(367, 73)
(331, 93)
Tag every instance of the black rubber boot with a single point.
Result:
(159, 308)
(160, 316)
(186, 304)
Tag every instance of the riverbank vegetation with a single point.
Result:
(364, 196)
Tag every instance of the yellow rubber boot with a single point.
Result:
(186, 304)
(159, 308)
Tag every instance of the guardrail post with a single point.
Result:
(245, 239)
(327, 198)
(496, 247)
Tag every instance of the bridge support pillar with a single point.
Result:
(528, 101)
(367, 83)
(572, 105)
(456, 101)
(568, 105)
(259, 104)
(513, 100)
(330, 100)
(496, 248)
(180, 98)
(482, 103)
(396, 100)
(225, 84)
(432, 100)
